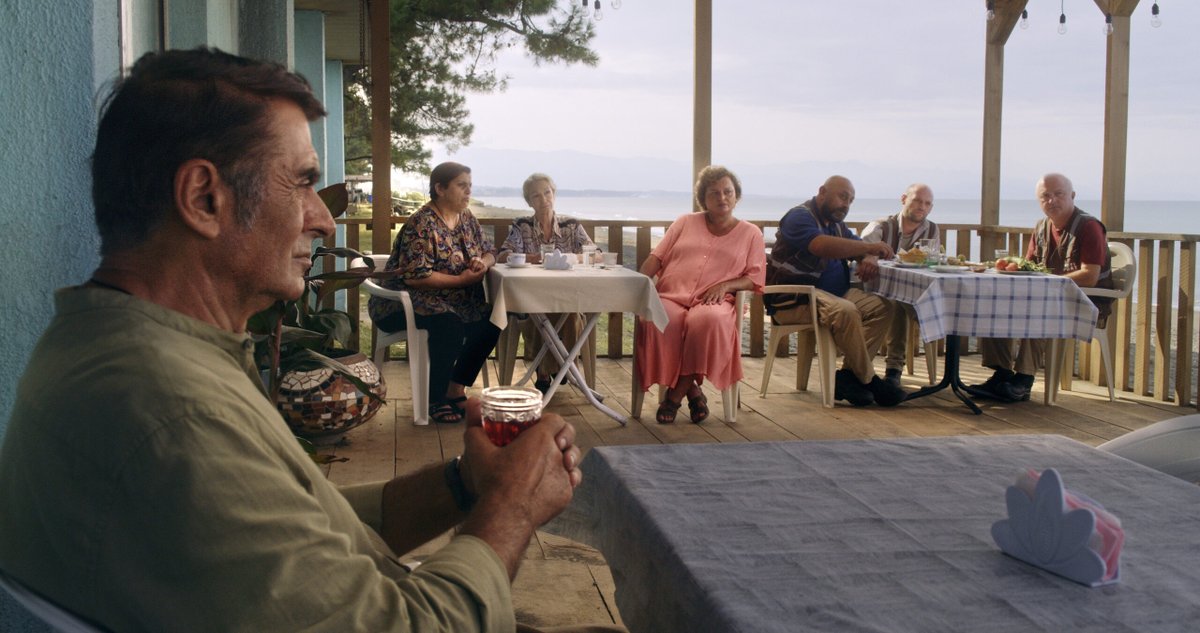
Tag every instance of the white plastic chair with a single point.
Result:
(1171, 446)
(730, 396)
(825, 348)
(1124, 271)
(56, 617)
(418, 343)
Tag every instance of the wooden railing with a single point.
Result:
(1154, 340)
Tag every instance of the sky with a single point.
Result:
(873, 89)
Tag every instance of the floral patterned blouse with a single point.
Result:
(525, 236)
(424, 246)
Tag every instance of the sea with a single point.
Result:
(1141, 216)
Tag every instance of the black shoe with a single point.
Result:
(997, 387)
(885, 393)
(892, 376)
(1021, 385)
(542, 385)
(846, 387)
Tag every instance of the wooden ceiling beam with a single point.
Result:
(1118, 8)
(1007, 12)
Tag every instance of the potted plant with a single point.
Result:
(321, 386)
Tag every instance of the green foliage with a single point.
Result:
(442, 50)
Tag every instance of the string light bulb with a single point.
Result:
(991, 10)
(596, 11)
(1062, 24)
(586, 5)
(1024, 19)
(616, 4)
(1108, 27)
(1155, 21)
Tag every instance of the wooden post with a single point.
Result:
(1007, 12)
(381, 126)
(702, 95)
(1116, 113)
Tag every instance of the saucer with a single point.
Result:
(512, 265)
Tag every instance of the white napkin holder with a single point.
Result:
(1041, 531)
(558, 260)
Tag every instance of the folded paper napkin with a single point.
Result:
(558, 260)
(1059, 530)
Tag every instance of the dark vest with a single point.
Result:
(1065, 258)
(790, 265)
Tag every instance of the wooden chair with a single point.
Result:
(730, 396)
(825, 349)
(1124, 271)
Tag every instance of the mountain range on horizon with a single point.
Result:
(494, 170)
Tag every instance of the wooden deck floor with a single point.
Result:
(562, 582)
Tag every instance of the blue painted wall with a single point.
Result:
(53, 57)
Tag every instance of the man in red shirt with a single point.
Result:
(1070, 243)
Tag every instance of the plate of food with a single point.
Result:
(947, 268)
(1018, 266)
(900, 264)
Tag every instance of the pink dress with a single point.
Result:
(699, 339)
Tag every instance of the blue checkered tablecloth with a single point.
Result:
(989, 304)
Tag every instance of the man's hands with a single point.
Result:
(868, 268)
(880, 250)
(521, 486)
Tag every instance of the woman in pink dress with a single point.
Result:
(701, 263)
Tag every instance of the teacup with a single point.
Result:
(516, 259)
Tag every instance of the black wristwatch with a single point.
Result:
(462, 497)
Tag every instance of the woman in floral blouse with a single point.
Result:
(527, 235)
(443, 258)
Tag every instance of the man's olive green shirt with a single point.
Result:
(147, 484)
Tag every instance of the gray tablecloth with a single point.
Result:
(872, 535)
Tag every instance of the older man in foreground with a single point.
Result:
(146, 481)
(814, 247)
(1067, 242)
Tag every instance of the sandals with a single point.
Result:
(667, 411)
(448, 411)
(698, 408)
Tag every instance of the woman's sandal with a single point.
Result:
(454, 402)
(698, 408)
(667, 411)
(445, 413)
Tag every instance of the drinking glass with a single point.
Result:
(509, 410)
(931, 252)
(610, 260)
(589, 256)
(544, 250)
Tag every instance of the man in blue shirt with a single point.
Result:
(813, 246)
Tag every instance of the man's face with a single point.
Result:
(269, 258)
(834, 200)
(1057, 198)
(916, 204)
(541, 198)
